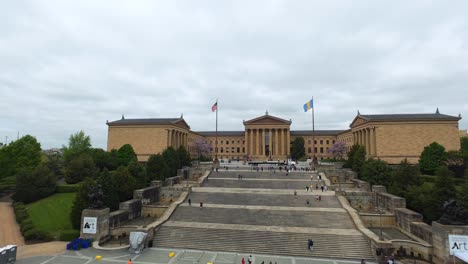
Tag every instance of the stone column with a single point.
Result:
(270, 140)
(168, 138)
(251, 144)
(371, 140)
(276, 143)
(263, 143)
(288, 141)
(246, 140)
(257, 144)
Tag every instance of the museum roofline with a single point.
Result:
(146, 121)
(220, 133)
(391, 117)
(316, 132)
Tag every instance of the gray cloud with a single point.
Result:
(68, 66)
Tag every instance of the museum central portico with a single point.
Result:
(267, 137)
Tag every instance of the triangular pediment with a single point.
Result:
(267, 119)
(181, 123)
(358, 120)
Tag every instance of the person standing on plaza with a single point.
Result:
(250, 259)
(310, 244)
(201, 205)
(320, 198)
(307, 188)
(189, 201)
(243, 261)
(321, 187)
(129, 261)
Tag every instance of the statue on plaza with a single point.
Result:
(453, 214)
(95, 197)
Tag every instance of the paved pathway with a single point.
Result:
(9, 229)
(161, 256)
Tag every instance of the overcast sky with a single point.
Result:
(69, 66)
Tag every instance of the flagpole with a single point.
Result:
(216, 152)
(313, 134)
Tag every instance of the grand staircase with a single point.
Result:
(261, 215)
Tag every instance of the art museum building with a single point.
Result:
(390, 137)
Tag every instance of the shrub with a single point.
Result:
(69, 235)
(21, 214)
(68, 188)
(30, 234)
(26, 225)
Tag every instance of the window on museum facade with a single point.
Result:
(232, 142)
(321, 142)
(221, 142)
(315, 142)
(333, 142)
(238, 141)
(232, 149)
(243, 150)
(309, 150)
(227, 150)
(328, 142)
(315, 150)
(221, 150)
(238, 150)
(321, 150)
(227, 142)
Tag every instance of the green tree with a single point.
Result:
(126, 154)
(78, 144)
(109, 188)
(138, 171)
(125, 183)
(298, 150)
(24, 153)
(376, 171)
(455, 163)
(349, 161)
(444, 185)
(172, 160)
(79, 168)
(404, 177)
(432, 157)
(462, 194)
(359, 158)
(33, 185)
(157, 168)
(184, 156)
(80, 202)
(104, 159)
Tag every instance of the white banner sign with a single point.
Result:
(458, 244)
(89, 225)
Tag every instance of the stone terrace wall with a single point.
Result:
(133, 207)
(389, 201)
(421, 230)
(362, 185)
(360, 200)
(404, 218)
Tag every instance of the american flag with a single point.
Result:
(214, 107)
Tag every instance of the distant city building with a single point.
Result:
(391, 137)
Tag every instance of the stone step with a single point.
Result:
(273, 243)
(264, 199)
(263, 217)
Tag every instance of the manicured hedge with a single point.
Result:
(69, 235)
(68, 188)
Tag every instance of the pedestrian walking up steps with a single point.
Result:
(261, 242)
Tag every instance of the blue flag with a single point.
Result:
(309, 105)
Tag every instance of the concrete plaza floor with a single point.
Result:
(161, 256)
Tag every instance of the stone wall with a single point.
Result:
(404, 218)
(153, 210)
(376, 220)
(440, 240)
(172, 192)
(147, 195)
(421, 230)
(389, 201)
(360, 200)
(133, 207)
(102, 228)
(117, 218)
(362, 185)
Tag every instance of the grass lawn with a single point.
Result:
(52, 214)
